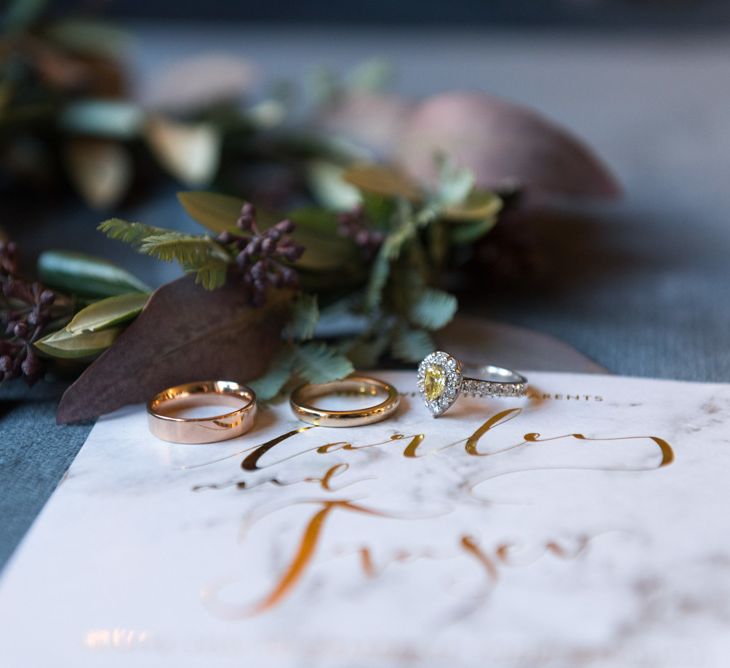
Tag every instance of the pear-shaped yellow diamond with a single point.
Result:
(434, 381)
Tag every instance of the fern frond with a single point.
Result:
(319, 363)
(187, 249)
(313, 362)
(199, 254)
(304, 318)
(130, 233)
(411, 345)
(270, 384)
(211, 274)
(433, 309)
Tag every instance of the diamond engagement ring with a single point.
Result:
(440, 382)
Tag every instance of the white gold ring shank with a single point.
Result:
(495, 382)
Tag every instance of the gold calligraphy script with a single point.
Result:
(414, 446)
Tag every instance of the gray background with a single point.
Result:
(592, 14)
(641, 285)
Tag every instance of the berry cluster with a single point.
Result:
(25, 311)
(263, 258)
(355, 225)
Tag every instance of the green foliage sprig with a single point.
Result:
(378, 265)
(395, 295)
(199, 254)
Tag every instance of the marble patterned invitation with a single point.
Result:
(587, 525)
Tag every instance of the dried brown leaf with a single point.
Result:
(198, 81)
(373, 121)
(189, 151)
(101, 170)
(502, 143)
(184, 334)
(382, 180)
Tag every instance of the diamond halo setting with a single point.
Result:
(439, 381)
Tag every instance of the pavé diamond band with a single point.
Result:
(441, 381)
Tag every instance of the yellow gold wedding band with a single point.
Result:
(303, 395)
(165, 424)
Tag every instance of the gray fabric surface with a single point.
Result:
(34, 454)
(639, 286)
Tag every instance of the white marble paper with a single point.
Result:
(585, 526)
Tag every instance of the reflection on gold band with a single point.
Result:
(302, 397)
(163, 408)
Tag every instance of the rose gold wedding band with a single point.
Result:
(163, 410)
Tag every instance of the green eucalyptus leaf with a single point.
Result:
(212, 210)
(108, 313)
(271, 383)
(83, 344)
(379, 209)
(324, 248)
(104, 118)
(319, 363)
(304, 318)
(433, 309)
(454, 184)
(86, 275)
(382, 180)
(329, 188)
(316, 228)
(411, 345)
(478, 206)
(466, 233)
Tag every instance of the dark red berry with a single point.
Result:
(285, 226)
(30, 365)
(293, 253)
(47, 297)
(268, 246)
